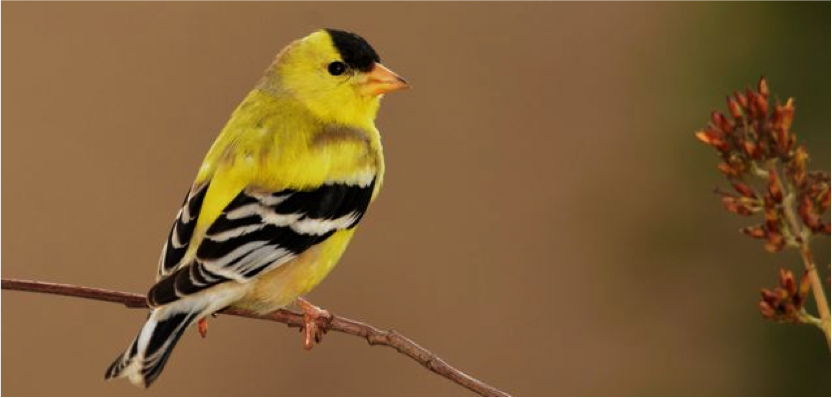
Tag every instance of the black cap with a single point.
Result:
(356, 52)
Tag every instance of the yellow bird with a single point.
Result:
(276, 199)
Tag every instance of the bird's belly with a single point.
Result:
(282, 285)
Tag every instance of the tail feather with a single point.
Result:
(145, 359)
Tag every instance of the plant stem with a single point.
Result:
(817, 291)
(803, 236)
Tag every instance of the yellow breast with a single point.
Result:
(281, 286)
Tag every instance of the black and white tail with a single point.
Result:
(144, 360)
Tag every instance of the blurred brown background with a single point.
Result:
(547, 222)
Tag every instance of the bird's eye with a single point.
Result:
(337, 68)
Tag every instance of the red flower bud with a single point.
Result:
(734, 109)
(777, 117)
(744, 189)
(762, 86)
(766, 311)
(798, 166)
(787, 114)
(714, 139)
(742, 100)
(720, 121)
(752, 149)
(774, 242)
(803, 288)
(808, 215)
(727, 169)
(824, 200)
(735, 206)
(769, 296)
(774, 188)
(756, 231)
(787, 281)
(760, 105)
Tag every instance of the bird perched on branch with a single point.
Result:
(276, 199)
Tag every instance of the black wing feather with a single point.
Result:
(257, 232)
(182, 230)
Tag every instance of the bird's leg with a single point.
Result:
(202, 327)
(316, 321)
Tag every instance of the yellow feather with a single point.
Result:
(284, 284)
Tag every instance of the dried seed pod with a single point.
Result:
(787, 114)
(806, 209)
(775, 190)
(719, 120)
(727, 169)
(784, 141)
(752, 149)
(784, 303)
(760, 105)
(777, 117)
(750, 98)
(769, 296)
(744, 190)
(754, 231)
(803, 289)
(797, 166)
(772, 214)
(762, 86)
(734, 108)
(787, 282)
(704, 137)
(708, 136)
(767, 311)
(824, 200)
(775, 241)
(752, 203)
(714, 139)
(735, 206)
(741, 99)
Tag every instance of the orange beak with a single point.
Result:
(381, 80)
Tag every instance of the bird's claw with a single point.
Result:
(314, 328)
(202, 327)
(316, 323)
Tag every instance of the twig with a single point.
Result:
(817, 291)
(803, 235)
(373, 335)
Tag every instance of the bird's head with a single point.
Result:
(336, 74)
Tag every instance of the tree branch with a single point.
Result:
(373, 335)
(802, 236)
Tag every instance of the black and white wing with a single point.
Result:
(182, 231)
(259, 231)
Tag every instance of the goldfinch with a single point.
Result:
(277, 198)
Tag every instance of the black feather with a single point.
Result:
(356, 52)
(328, 202)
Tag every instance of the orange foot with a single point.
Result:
(202, 327)
(316, 321)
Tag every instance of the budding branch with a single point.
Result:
(809, 266)
(373, 335)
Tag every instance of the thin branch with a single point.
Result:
(817, 291)
(803, 235)
(373, 335)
